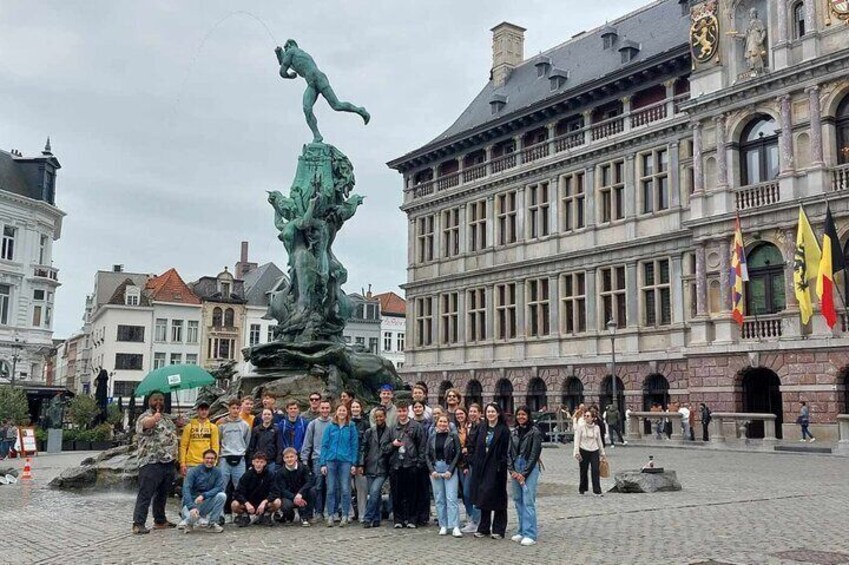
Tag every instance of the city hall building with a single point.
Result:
(600, 182)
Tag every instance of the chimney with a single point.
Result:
(508, 51)
(369, 294)
(244, 255)
(117, 268)
(243, 266)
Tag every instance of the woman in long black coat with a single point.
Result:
(489, 468)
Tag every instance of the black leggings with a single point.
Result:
(589, 461)
(496, 524)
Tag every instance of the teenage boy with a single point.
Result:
(235, 437)
(250, 499)
(407, 456)
(375, 450)
(311, 452)
(293, 489)
(199, 436)
(246, 411)
(270, 401)
(387, 393)
(313, 412)
(420, 395)
(291, 430)
(203, 495)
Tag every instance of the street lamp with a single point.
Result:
(611, 327)
(16, 347)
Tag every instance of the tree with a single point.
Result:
(83, 410)
(13, 404)
(114, 415)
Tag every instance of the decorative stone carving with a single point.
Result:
(704, 32)
(754, 44)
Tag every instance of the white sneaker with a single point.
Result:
(216, 529)
(457, 533)
(443, 531)
(517, 538)
(528, 541)
(182, 525)
(624, 443)
(813, 439)
(803, 439)
(470, 528)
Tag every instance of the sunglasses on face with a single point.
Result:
(314, 399)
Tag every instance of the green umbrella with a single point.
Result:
(174, 377)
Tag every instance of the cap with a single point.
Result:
(387, 386)
(203, 404)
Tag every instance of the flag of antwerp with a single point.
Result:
(832, 262)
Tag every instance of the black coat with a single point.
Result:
(489, 468)
(253, 487)
(529, 448)
(415, 441)
(265, 440)
(452, 451)
(288, 483)
(375, 450)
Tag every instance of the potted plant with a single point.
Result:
(101, 437)
(83, 441)
(69, 437)
(40, 440)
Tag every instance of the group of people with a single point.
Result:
(8, 437)
(306, 468)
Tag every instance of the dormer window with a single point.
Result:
(497, 103)
(628, 51)
(543, 66)
(132, 294)
(609, 35)
(558, 78)
(225, 289)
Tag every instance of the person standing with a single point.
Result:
(407, 457)
(203, 495)
(588, 450)
(375, 449)
(704, 415)
(264, 438)
(489, 469)
(157, 453)
(246, 411)
(420, 395)
(291, 430)
(360, 487)
(235, 437)
(311, 452)
(442, 456)
(250, 499)
(4, 446)
(339, 454)
(658, 422)
(453, 398)
(611, 416)
(684, 410)
(12, 435)
(199, 436)
(387, 394)
(473, 514)
(578, 417)
(523, 466)
(461, 417)
(314, 410)
(292, 489)
(805, 421)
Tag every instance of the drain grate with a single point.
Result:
(812, 556)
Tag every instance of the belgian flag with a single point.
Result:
(832, 262)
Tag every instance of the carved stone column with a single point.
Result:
(698, 172)
(789, 253)
(721, 153)
(816, 124)
(782, 35)
(725, 272)
(701, 280)
(785, 141)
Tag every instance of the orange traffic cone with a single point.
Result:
(27, 476)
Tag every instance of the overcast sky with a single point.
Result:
(171, 122)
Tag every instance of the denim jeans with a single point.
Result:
(232, 472)
(525, 499)
(338, 488)
(320, 486)
(210, 509)
(373, 507)
(805, 432)
(472, 512)
(445, 500)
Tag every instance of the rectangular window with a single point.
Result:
(505, 211)
(38, 295)
(572, 198)
(657, 296)
(424, 321)
(373, 344)
(347, 339)
(160, 330)
(360, 341)
(128, 361)
(131, 333)
(131, 298)
(42, 249)
(191, 358)
(539, 307)
(5, 295)
(48, 316)
(36, 316)
(505, 310)
(574, 299)
(270, 336)
(400, 341)
(654, 180)
(611, 191)
(177, 331)
(176, 359)
(613, 296)
(8, 248)
(538, 210)
(424, 234)
(476, 308)
(450, 317)
(224, 348)
(387, 342)
(477, 225)
(451, 232)
(253, 338)
(158, 360)
(123, 388)
(192, 331)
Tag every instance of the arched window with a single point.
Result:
(573, 393)
(798, 19)
(228, 318)
(765, 289)
(759, 151)
(843, 132)
(535, 398)
(504, 395)
(216, 317)
(474, 393)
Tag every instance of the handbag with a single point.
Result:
(604, 469)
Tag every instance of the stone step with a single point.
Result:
(803, 448)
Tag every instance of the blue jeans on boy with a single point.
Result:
(373, 507)
(525, 499)
(472, 512)
(445, 497)
(210, 509)
(320, 487)
(805, 432)
(338, 488)
(231, 472)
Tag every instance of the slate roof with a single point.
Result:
(170, 287)
(392, 304)
(260, 281)
(107, 281)
(206, 288)
(22, 175)
(657, 28)
(118, 295)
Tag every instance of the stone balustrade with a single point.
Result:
(843, 433)
(634, 431)
(741, 421)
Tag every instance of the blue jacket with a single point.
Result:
(340, 443)
(201, 481)
(284, 432)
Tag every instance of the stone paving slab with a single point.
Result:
(736, 508)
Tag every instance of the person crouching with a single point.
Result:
(250, 499)
(293, 489)
(203, 495)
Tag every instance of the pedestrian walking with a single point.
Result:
(157, 453)
(339, 454)
(406, 460)
(360, 486)
(489, 469)
(203, 495)
(250, 499)
(589, 450)
(442, 456)
(198, 436)
(311, 452)
(524, 468)
(375, 450)
(804, 420)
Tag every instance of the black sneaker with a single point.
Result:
(140, 529)
(242, 520)
(367, 524)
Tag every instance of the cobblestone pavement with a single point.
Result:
(735, 508)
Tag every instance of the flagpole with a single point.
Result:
(845, 274)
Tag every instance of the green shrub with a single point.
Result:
(40, 435)
(83, 410)
(13, 404)
(114, 415)
(101, 432)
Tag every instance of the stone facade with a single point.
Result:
(559, 202)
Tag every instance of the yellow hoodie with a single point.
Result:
(197, 438)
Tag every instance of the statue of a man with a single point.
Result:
(292, 57)
(755, 43)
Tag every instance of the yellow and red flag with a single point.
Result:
(739, 274)
(832, 262)
(806, 264)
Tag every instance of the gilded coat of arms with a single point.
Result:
(840, 8)
(704, 31)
